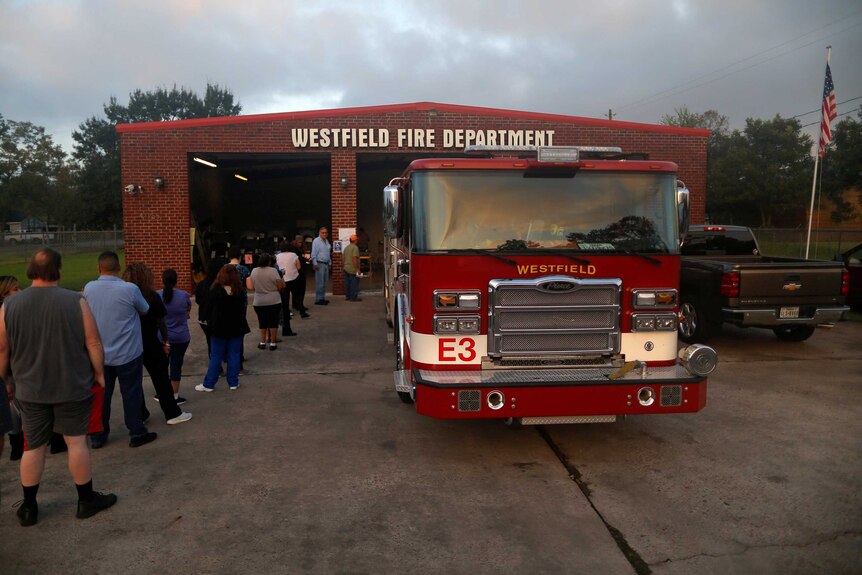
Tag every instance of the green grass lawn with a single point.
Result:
(79, 267)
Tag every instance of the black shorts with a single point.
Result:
(267, 315)
(40, 420)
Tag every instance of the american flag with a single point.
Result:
(829, 112)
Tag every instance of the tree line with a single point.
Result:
(38, 179)
(762, 175)
(758, 176)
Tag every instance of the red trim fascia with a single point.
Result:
(411, 107)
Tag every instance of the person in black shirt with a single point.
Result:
(155, 351)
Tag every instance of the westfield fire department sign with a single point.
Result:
(416, 138)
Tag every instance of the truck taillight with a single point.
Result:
(730, 284)
(845, 282)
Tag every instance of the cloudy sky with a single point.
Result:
(61, 60)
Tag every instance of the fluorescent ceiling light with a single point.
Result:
(204, 162)
(238, 177)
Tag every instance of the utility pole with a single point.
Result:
(611, 114)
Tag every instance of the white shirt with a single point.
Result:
(286, 262)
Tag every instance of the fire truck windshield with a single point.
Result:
(598, 212)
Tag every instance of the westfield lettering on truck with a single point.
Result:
(587, 270)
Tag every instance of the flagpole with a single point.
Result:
(816, 162)
(811, 209)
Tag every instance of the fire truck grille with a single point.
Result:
(564, 319)
(553, 342)
(671, 396)
(556, 315)
(469, 400)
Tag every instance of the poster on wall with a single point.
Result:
(343, 239)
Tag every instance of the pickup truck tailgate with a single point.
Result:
(777, 283)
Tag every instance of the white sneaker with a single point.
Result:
(234, 387)
(184, 416)
(202, 387)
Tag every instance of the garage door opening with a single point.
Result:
(254, 201)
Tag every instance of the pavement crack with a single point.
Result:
(633, 557)
(746, 548)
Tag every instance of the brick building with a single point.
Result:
(192, 185)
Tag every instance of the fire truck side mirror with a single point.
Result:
(682, 206)
(392, 212)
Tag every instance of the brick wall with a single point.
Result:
(157, 222)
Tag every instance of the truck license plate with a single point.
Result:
(789, 313)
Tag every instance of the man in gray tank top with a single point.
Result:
(49, 340)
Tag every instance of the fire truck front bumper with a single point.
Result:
(556, 395)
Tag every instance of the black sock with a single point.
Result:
(85, 491)
(30, 493)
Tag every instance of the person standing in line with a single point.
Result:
(178, 305)
(117, 306)
(49, 339)
(9, 422)
(202, 291)
(321, 258)
(157, 347)
(351, 269)
(225, 316)
(297, 289)
(234, 254)
(9, 286)
(289, 263)
(266, 284)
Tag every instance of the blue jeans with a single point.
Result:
(321, 275)
(231, 349)
(131, 377)
(351, 281)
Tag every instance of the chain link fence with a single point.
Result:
(790, 242)
(68, 241)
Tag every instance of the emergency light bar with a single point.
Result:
(547, 154)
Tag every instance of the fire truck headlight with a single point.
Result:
(643, 323)
(445, 300)
(665, 323)
(456, 300)
(468, 301)
(654, 298)
(446, 325)
(698, 359)
(468, 324)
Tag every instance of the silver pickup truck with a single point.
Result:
(27, 237)
(725, 279)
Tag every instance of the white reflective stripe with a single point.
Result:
(633, 345)
(428, 349)
(452, 349)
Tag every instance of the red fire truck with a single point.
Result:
(539, 285)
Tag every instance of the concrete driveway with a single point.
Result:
(315, 466)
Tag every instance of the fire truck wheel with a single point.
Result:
(692, 323)
(405, 397)
(793, 332)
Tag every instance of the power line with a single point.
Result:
(838, 116)
(676, 89)
(820, 109)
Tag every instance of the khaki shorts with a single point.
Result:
(40, 420)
